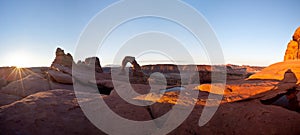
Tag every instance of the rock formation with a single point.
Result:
(136, 68)
(293, 49)
(60, 77)
(162, 68)
(289, 77)
(42, 100)
(296, 35)
(277, 71)
(94, 61)
(287, 71)
(183, 74)
(63, 59)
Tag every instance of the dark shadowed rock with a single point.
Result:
(104, 86)
(47, 113)
(94, 61)
(55, 85)
(26, 86)
(243, 118)
(7, 99)
(3, 82)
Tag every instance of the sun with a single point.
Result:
(20, 60)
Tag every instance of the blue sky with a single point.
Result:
(252, 32)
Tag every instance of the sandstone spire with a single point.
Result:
(63, 59)
(293, 50)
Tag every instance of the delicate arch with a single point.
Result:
(136, 68)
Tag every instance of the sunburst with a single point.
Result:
(18, 73)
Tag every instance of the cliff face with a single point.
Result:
(170, 68)
(177, 74)
(293, 49)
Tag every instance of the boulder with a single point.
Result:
(60, 77)
(289, 77)
(61, 68)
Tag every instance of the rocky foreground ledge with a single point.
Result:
(57, 112)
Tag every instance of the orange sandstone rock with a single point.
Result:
(296, 35)
(277, 71)
(293, 50)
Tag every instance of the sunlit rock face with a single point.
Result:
(293, 49)
(277, 71)
(287, 71)
(296, 35)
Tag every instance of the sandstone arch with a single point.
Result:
(136, 68)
